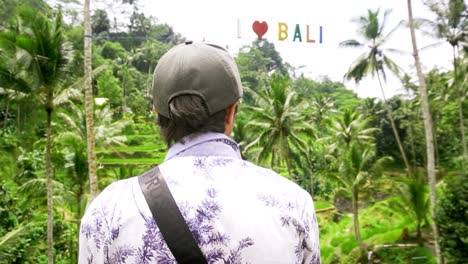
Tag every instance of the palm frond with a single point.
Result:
(65, 95)
(358, 68)
(12, 239)
(392, 66)
(352, 43)
(433, 45)
(383, 38)
(37, 188)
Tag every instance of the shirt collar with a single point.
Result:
(204, 144)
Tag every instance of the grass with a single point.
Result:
(322, 205)
(141, 148)
(140, 161)
(380, 224)
(406, 255)
(141, 139)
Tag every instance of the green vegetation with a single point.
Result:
(364, 161)
(452, 212)
(322, 205)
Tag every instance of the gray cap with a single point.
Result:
(196, 68)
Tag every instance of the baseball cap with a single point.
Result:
(201, 69)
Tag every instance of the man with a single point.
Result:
(237, 212)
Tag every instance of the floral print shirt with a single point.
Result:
(236, 211)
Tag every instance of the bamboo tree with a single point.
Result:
(428, 131)
(88, 89)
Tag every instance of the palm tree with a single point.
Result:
(351, 147)
(451, 24)
(322, 106)
(278, 120)
(88, 89)
(429, 134)
(13, 238)
(374, 62)
(348, 127)
(415, 200)
(146, 57)
(73, 137)
(357, 165)
(42, 55)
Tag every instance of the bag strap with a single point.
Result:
(169, 219)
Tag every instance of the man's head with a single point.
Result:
(196, 87)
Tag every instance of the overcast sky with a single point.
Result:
(216, 21)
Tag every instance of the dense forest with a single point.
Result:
(388, 177)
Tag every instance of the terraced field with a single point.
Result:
(144, 149)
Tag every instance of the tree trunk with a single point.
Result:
(311, 184)
(357, 230)
(149, 82)
(288, 161)
(124, 100)
(395, 131)
(418, 230)
(428, 129)
(413, 150)
(460, 107)
(18, 117)
(93, 181)
(6, 114)
(78, 208)
(50, 223)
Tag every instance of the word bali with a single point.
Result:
(261, 28)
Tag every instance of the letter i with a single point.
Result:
(321, 35)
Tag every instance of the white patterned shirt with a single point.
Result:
(237, 212)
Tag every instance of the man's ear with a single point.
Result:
(231, 113)
(229, 118)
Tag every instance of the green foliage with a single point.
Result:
(278, 123)
(113, 50)
(100, 22)
(405, 255)
(310, 130)
(415, 198)
(108, 87)
(451, 216)
(372, 61)
(322, 205)
(21, 227)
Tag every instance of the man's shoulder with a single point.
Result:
(111, 195)
(281, 181)
(240, 172)
(116, 188)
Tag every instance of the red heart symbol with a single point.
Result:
(260, 28)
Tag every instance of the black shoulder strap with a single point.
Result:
(169, 219)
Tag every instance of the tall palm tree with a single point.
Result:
(42, 55)
(278, 119)
(88, 89)
(374, 61)
(451, 24)
(428, 131)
